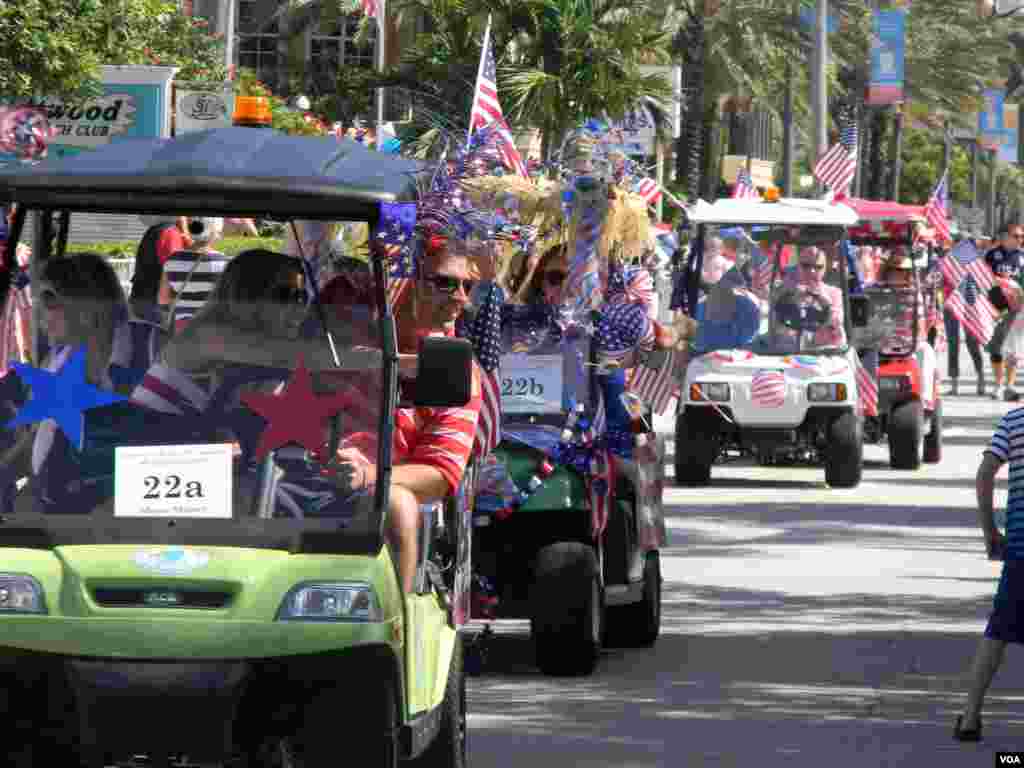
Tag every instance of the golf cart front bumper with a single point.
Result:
(110, 710)
(767, 440)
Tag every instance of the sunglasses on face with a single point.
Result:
(815, 267)
(555, 277)
(449, 285)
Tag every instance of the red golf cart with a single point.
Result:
(902, 311)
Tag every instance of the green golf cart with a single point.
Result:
(190, 594)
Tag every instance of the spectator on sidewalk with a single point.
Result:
(1006, 623)
(191, 275)
(1006, 261)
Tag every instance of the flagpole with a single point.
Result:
(381, 58)
(479, 74)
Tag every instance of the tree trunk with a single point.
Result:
(896, 154)
(690, 154)
(875, 161)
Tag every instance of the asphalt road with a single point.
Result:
(802, 627)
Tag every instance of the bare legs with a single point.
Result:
(986, 662)
(403, 532)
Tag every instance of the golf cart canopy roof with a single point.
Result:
(882, 221)
(787, 211)
(243, 171)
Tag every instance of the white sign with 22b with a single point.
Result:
(531, 383)
(184, 481)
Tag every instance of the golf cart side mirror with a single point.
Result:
(860, 311)
(444, 376)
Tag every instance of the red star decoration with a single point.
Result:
(296, 415)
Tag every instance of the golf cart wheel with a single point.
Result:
(845, 453)
(696, 448)
(373, 714)
(638, 625)
(905, 427)
(933, 440)
(449, 747)
(567, 607)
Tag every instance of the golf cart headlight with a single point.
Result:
(713, 391)
(826, 393)
(330, 602)
(20, 594)
(894, 384)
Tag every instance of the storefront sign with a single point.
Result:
(136, 102)
(199, 108)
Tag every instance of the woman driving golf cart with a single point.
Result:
(807, 310)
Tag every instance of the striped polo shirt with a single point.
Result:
(1008, 445)
(193, 276)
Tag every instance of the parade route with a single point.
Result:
(801, 627)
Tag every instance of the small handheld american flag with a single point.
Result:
(937, 207)
(487, 111)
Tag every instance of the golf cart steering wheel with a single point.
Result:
(247, 425)
(803, 312)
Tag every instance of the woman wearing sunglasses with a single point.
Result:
(83, 307)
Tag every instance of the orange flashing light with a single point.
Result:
(252, 111)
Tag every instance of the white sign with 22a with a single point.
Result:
(185, 481)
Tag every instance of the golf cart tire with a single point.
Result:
(932, 452)
(375, 719)
(638, 625)
(567, 609)
(449, 747)
(905, 426)
(844, 460)
(695, 450)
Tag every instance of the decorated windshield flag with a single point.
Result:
(867, 386)
(486, 109)
(935, 212)
(485, 335)
(649, 190)
(838, 166)
(395, 236)
(744, 188)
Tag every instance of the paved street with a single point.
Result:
(802, 627)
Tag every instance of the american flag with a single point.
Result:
(744, 188)
(371, 7)
(867, 387)
(622, 329)
(395, 236)
(936, 209)
(649, 190)
(838, 166)
(486, 109)
(601, 482)
(971, 279)
(485, 335)
(768, 389)
(655, 385)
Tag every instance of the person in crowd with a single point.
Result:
(1006, 261)
(190, 275)
(1004, 624)
(165, 236)
(729, 318)
(716, 263)
(83, 306)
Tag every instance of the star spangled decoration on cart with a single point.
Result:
(63, 396)
(622, 329)
(24, 133)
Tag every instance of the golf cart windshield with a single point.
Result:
(895, 315)
(785, 293)
(224, 427)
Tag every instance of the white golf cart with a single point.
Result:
(772, 374)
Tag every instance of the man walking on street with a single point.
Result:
(1006, 623)
(1006, 261)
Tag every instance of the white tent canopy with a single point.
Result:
(791, 211)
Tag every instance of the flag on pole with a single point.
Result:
(935, 212)
(838, 166)
(761, 270)
(485, 335)
(486, 109)
(655, 386)
(969, 279)
(649, 190)
(744, 188)
(867, 387)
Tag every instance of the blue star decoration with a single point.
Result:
(63, 396)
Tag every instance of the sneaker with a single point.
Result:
(998, 392)
(954, 388)
(1011, 395)
(981, 386)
